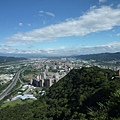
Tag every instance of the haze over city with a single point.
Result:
(59, 27)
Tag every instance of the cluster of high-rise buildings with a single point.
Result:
(51, 71)
(42, 81)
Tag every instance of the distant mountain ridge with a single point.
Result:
(4, 59)
(97, 57)
(100, 56)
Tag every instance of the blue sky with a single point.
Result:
(59, 27)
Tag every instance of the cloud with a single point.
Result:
(50, 14)
(20, 24)
(46, 13)
(102, 0)
(93, 7)
(118, 34)
(11, 44)
(8, 50)
(110, 47)
(28, 24)
(30, 46)
(95, 20)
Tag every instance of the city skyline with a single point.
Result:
(59, 27)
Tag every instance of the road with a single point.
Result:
(11, 85)
(29, 88)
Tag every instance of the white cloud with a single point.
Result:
(102, 0)
(93, 7)
(12, 44)
(20, 24)
(114, 44)
(46, 13)
(8, 50)
(110, 47)
(50, 14)
(118, 34)
(95, 20)
(41, 11)
(28, 24)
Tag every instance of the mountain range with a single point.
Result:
(100, 56)
(97, 57)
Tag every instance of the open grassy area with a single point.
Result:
(14, 103)
(29, 76)
(30, 71)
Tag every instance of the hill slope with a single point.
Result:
(4, 59)
(84, 94)
(101, 56)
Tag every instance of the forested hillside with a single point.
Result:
(84, 94)
(4, 59)
(101, 56)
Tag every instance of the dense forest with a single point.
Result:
(100, 57)
(83, 94)
(4, 59)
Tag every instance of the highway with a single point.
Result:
(11, 85)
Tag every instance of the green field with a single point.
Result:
(14, 103)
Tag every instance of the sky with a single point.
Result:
(59, 27)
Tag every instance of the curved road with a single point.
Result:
(11, 85)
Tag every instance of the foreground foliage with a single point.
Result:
(84, 94)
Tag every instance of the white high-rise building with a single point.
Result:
(39, 77)
(43, 75)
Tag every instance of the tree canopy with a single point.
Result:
(83, 94)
